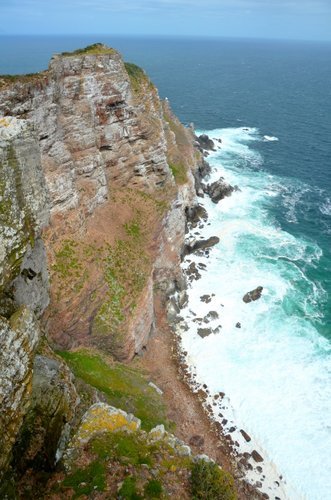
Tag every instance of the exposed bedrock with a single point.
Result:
(205, 142)
(19, 338)
(253, 295)
(219, 190)
(196, 245)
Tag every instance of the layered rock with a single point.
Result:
(104, 133)
(19, 338)
(24, 211)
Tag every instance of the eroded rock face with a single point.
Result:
(19, 338)
(24, 211)
(46, 426)
(101, 128)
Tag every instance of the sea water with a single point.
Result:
(275, 368)
(270, 103)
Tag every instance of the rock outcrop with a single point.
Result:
(113, 158)
(219, 190)
(97, 177)
(253, 295)
(19, 339)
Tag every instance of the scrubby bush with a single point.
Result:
(209, 482)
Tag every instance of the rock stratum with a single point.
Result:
(98, 179)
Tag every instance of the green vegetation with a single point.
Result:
(95, 49)
(179, 172)
(88, 480)
(137, 76)
(124, 447)
(126, 272)
(153, 489)
(209, 482)
(124, 387)
(128, 489)
(28, 78)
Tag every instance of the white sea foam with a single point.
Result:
(270, 138)
(325, 208)
(275, 369)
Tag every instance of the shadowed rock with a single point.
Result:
(200, 245)
(195, 214)
(206, 142)
(253, 295)
(219, 190)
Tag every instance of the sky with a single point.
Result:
(287, 19)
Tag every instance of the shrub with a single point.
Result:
(209, 482)
(153, 489)
(179, 172)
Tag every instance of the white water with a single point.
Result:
(275, 369)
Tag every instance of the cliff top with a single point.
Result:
(94, 49)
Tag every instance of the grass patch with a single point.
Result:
(27, 78)
(209, 482)
(125, 447)
(94, 49)
(179, 172)
(88, 480)
(137, 76)
(124, 387)
(153, 489)
(128, 489)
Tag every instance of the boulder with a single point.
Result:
(253, 295)
(205, 142)
(219, 190)
(196, 214)
(200, 245)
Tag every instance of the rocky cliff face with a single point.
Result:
(103, 135)
(96, 175)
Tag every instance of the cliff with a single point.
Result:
(97, 177)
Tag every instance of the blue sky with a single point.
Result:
(296, 19)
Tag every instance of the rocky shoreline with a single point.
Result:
(251, 464)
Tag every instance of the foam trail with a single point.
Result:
(275, 369)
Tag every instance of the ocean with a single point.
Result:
(270, 104)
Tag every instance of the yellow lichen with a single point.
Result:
(99, 420)
(4, 122)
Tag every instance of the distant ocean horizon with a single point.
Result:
(270, 103)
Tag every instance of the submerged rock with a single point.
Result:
(253, 295)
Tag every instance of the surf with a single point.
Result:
(274, 367)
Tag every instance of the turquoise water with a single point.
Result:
(275, 232)
(275, 369)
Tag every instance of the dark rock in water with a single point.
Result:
(206, 142)
(197, 441)
(200, 245)
(238, 325)
(218, 190)
(256, 456)
(253, 295)
(210, 316)
(195, 214)
(192, 272)
(204, 332)
(200, 173)
(245, 435)
(205, 298)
